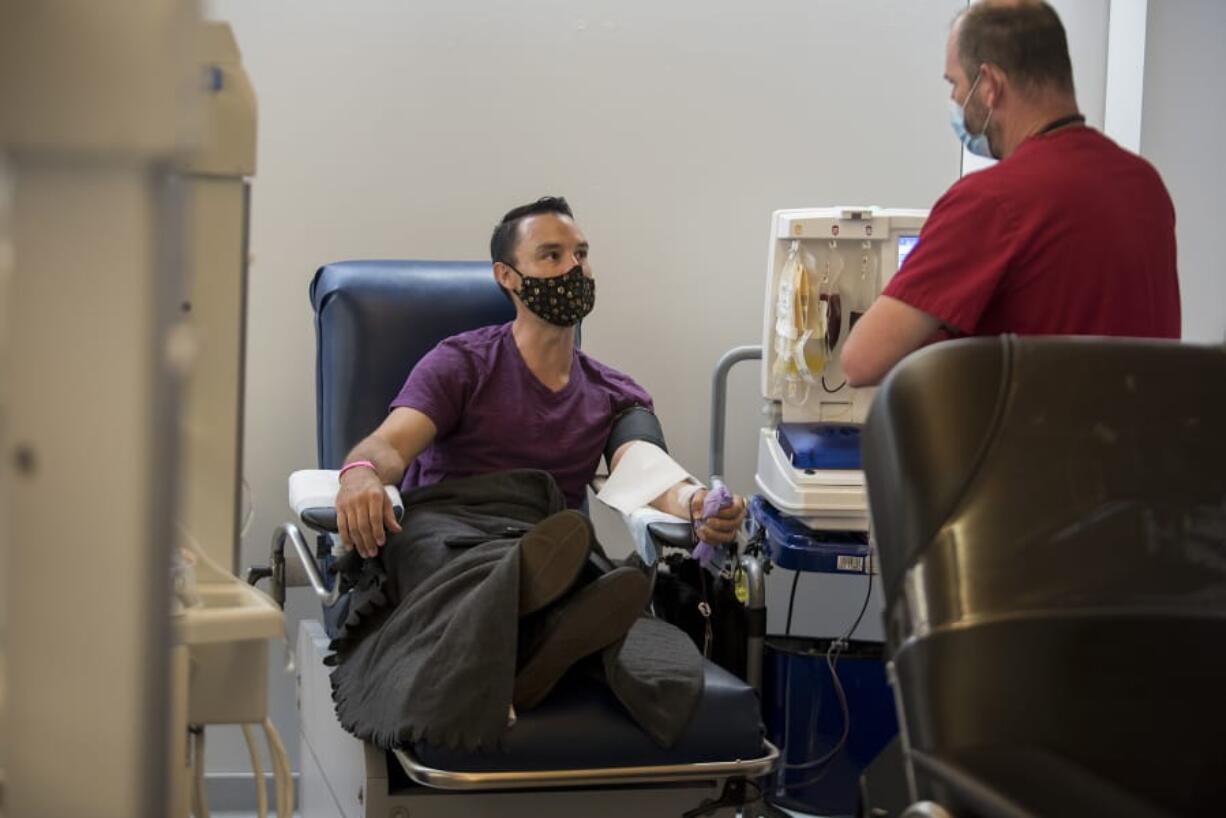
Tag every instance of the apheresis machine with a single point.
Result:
(830, 718)
(826, 267)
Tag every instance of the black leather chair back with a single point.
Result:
(1050, 515)
(374, 320)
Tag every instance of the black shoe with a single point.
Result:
(595, 617)
(550, 558)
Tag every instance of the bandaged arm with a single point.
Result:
(641, 470)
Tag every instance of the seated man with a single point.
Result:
(514, 396)
(497, 401)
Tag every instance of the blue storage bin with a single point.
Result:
(804, 719)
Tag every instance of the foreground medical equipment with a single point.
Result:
(226, 632)
(90, 105)
(1055, 574)
(129, 163)
(578, 753)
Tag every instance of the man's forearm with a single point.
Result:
(888, 332)
(676, 500)
(389, 465)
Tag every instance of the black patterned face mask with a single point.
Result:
(563, 301)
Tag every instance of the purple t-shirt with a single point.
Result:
(492, 413)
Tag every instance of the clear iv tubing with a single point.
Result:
(791, 319)
(282, 773)
(832, 279)
(793, 386)
(868, 268)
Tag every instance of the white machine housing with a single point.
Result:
(858, 249)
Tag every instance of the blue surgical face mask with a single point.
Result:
(978, 143)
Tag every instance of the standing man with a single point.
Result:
(1068, 234)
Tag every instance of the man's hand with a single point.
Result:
(722, 528)
(364, 512)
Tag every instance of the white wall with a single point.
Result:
(1125, 72)
(1085, 25)
(407, 129)
(1183, 120)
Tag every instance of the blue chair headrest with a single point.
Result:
(374, 320)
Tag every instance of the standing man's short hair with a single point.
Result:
(1026, 40)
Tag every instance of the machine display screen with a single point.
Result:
(905, 245)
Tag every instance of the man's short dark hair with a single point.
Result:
(1026, 40)
(506, 234)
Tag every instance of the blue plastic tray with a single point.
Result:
(794, 546)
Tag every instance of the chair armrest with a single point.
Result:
(312, 496)
(672, 534)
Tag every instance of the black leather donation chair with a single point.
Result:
(578, 753)
(1050, 515)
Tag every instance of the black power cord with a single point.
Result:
(787, 629)
(830, 391)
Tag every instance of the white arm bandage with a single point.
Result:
(686, 494)
(644, 472)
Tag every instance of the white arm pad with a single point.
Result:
(317, 488)
(644, 472)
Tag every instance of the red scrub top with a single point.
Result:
(1070, 235)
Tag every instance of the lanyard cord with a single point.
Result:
(1061, 122)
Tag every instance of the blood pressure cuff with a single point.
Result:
(635, 423)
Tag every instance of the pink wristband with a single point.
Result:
(354, 465)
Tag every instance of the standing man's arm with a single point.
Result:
(887, 332)
(363, 510)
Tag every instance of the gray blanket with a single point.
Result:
(428, 649)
